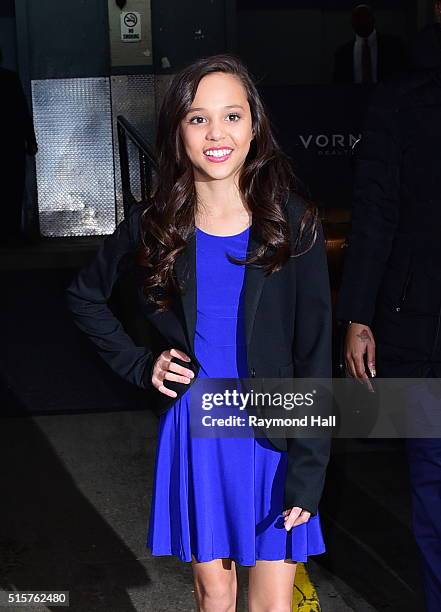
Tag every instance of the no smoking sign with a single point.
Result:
(130, 26)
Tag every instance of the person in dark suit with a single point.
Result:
(18, 139)
(370, 57)
(391, 287)
(264, 311)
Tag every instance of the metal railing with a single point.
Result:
(147, 162)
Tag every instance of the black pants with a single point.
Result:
(414, 350)
(424, 456)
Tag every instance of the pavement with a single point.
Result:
(75, 516)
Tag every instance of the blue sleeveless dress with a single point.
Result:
(221, 497)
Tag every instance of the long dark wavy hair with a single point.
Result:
(266, 179)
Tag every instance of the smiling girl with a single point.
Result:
(254, 301)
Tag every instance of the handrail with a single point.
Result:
(147, 163)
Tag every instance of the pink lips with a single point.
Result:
(214, 159)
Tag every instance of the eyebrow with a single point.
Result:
(191, 110)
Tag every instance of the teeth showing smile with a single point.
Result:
(218, 152)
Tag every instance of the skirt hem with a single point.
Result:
(238, 560)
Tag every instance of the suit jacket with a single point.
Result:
(287, 320)
(392, 273)
(391, 58)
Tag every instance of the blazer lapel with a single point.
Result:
(185, 269)
(253, 284)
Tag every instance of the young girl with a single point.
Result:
(234, 281)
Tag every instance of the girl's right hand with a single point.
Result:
(166, 369)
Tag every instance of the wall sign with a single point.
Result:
(130, 26)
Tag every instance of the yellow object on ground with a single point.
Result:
(305, 595)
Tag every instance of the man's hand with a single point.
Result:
(359, 342)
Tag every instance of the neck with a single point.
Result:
(218, 198)
(371, 35)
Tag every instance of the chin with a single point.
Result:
(222, 171)
(220, 176)
(215, 174)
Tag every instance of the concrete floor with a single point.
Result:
(75, 517)
(75, 509)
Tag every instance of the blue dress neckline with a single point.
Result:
(216, 236)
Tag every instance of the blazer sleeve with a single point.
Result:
(87, 297)
(312, 355)
(375, 210)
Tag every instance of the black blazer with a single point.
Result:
(392, 273)
(288, 331)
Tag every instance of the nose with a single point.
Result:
(215, 130)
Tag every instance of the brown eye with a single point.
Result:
(192, 120)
